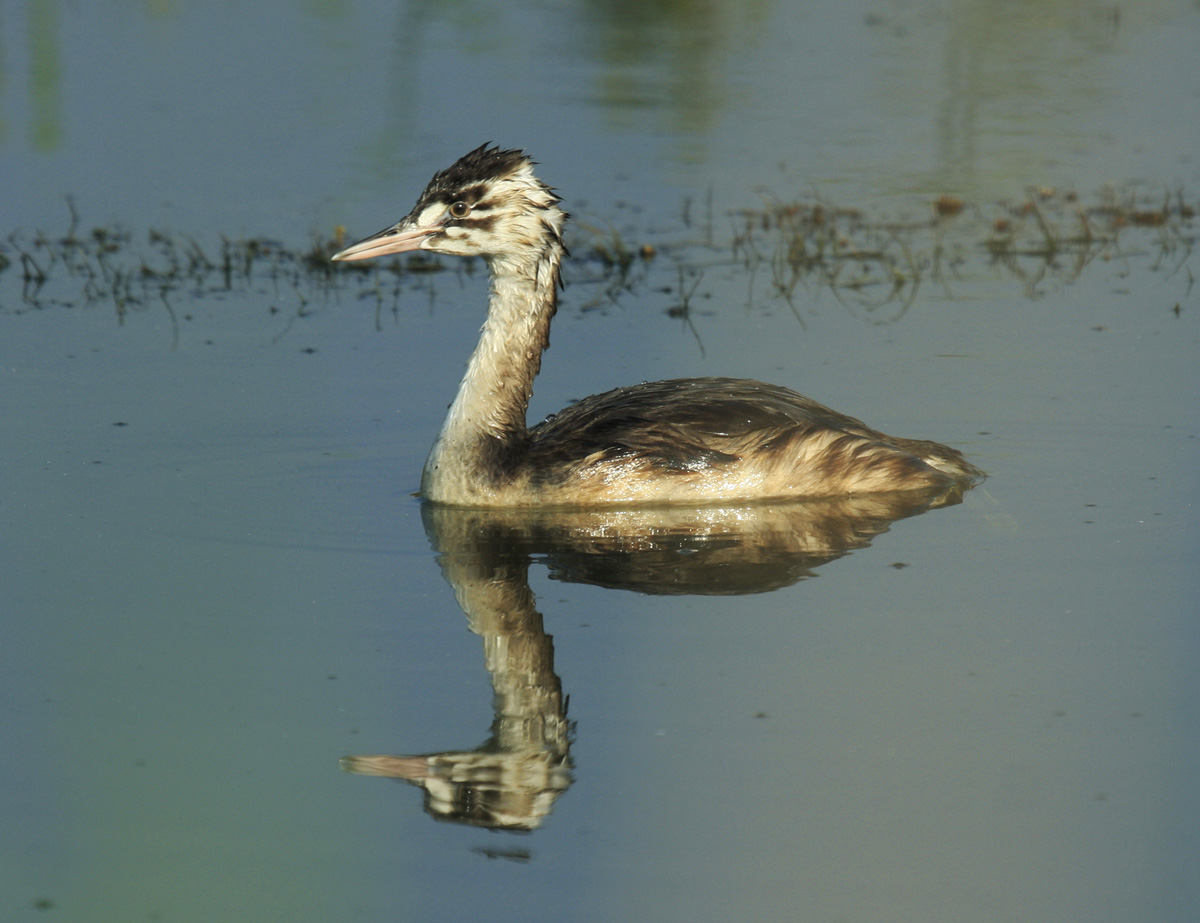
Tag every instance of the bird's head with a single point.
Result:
(488, 204)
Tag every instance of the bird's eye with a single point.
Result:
(460, 210)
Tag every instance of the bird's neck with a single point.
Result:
(485, 429)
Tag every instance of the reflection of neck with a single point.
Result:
(518, 654)
(513, 780)
(485, 428)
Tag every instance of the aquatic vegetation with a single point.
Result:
(874, 265)
(878, 265)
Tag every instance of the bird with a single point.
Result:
(698, 441)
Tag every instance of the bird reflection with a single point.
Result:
(512, 781)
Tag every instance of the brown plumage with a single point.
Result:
(692, 440)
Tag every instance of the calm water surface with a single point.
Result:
(216, 583)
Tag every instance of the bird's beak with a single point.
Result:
(400, 238)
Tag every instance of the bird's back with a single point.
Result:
(724, 438)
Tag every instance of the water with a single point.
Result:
(216, 582)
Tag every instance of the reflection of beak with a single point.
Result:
(396, 239)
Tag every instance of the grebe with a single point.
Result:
(691, 440)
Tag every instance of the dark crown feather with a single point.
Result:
(484, 164)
